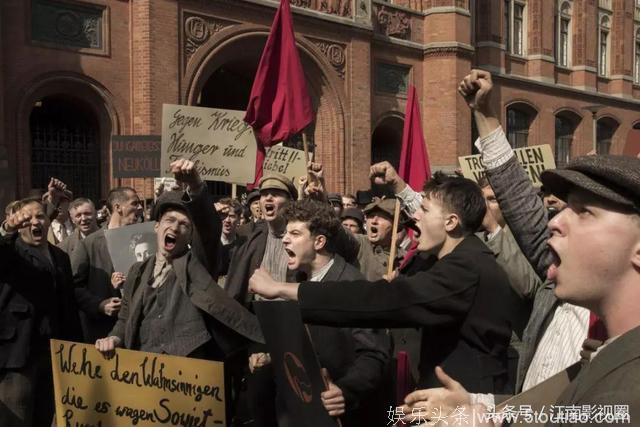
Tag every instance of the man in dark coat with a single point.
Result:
(36, 304)
(354, 358)
(463, 303)
(98, 297)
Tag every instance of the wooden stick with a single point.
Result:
(305, 147)
(394, 238)
(234, 191)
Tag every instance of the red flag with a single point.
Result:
(279, 104)
(414, 161)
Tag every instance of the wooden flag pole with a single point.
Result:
(234, 191)
(305, 147)
(394, 238)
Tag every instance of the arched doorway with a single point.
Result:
(65, 143)
(386, 141)
(221, 74)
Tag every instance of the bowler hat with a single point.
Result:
(251, 196)
(278, 181)
(613, 178)
(353, 213)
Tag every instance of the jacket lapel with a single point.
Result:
(335, 272)
(135, 305)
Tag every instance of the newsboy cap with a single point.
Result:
(613, 178)
(278, 181)
(169, 200)
(387, 206)
(353, 213)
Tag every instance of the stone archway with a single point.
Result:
(231, 58)
(70, 92)
(386, 140)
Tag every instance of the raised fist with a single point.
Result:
(186, 172)
(476, 88)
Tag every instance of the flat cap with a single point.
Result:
(278, 181)
(387, 206)
(169, 200)
(252, 195)
(614, 178)
(353, 213)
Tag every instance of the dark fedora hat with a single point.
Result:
(613, 178)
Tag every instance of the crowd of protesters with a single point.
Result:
(495, 287)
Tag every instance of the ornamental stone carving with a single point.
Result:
(68, 24)
(332, 7)
(197, 30)
(335, 53)
(394, 23)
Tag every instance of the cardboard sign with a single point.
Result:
(130, 244)
(134, 388)
(135, 156)
(534, 161)
(287, 161)
(220, 143)
(294, 361)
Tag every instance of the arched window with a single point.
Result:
(563, 34)
(566, 124)
(514, 26)
(605, 129)
(386, 141)
(636, 62)
(519, 118)
(603, 49)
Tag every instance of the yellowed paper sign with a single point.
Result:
(534, 161)
(135, 388)
(286, 161)
(220, 143)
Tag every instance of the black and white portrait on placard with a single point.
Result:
(130, 244)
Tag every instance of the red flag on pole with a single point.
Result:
(414, 161)
(279, 104)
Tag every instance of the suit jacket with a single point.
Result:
(92, 269)
(36, 301)
(463, 303)
(70, 244)
(196, 274)
(612, 378)
(524, 212)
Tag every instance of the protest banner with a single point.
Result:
(134, 388)
(295, 363)
(219, 142)
(286, 161)
(534, 161)
(130, 244)
(135, 156)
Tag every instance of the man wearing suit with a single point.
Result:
(455, 302)
(83, 215)
(36, 304)
(98, 298)
(354, 358)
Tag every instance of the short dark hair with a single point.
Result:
(81, 201)
(319, 217)
(233, 204)
(118, 195)
(460, 196)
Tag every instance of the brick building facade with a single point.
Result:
(73, 73)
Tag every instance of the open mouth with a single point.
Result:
(374, 230)
(291, 255)
(169, 242)
(269, 209)
(36, 232)
(552, 271)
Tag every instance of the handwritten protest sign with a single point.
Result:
(134, 388)
(534, 160)
(220, 143)
(287, 161)
(135, 156)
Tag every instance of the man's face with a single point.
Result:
(494, 214)
(271, 203)
(348, 202)
(351, 225)
(229, 221)
(379, 227)
(551, 201)
(84, 217)
(142, 251)
(300, 245)
(63, 211)
(174, 233)
(36, 233)
(131, 209)
(430, 220)
(593, 246)
(254, 207)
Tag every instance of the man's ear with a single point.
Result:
(319, 242)
(156, 226)
(635, 256)
(451, 222)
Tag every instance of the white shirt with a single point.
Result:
(57, 226)
(322, 272)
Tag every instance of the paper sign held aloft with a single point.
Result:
(220, 143)
(134, 388)
(286, 161)
(534, 161)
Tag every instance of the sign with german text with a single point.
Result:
(287, 161)
(295, 363)
(219, 142)
(534, 161)
(134, 388)
(135, 156)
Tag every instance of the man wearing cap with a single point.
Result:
(171, 303)
(253, 202)
(335, 200)
(353, 220)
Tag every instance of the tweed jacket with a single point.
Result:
(36, 301)
(524, 212)
(463, 303)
